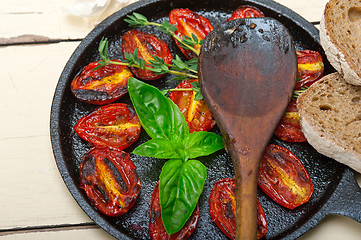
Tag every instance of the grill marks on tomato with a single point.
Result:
(108, 177)
(118, 179)
(148, 45)
(101, 86)
(156, 227)
(115, 126)
(283, 177)
(222, 207)
(110, 180)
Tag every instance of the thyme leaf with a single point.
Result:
(137, 20)
(297, 93)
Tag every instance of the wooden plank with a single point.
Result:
(311, 10)
(33, 14)
(32, 191)
(58, 234)
(29, 77)
(334, 228)
(17, 14)
(331, 228)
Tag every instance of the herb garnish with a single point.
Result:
(139, 20)
(182, 177)
(182, 70)
(195, 87)
(297, 93)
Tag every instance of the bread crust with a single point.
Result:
(335, 54)
(325, 142)
(329, 148)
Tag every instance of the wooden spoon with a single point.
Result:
(247, 71)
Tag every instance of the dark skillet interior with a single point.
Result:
(69, 148)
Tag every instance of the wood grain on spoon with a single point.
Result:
(247, 70)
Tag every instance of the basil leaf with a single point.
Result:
(202, 144)
(180, 127)
(180, 185)
(161, 148)
(159, 116)
(198, 96)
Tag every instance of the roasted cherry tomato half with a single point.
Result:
(110, 180)
(189, 23)
(196, 112)
(222, 206)
(310, 68)
(148, 45)
(156, 227)
(115, 126)
(283, 177)
(289, 127)
(246, 12)
(102, 86)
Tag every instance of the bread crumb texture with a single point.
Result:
(343, 24)
(333, 108)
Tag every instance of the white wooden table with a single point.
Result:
(36, 40)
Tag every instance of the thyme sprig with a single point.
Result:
(139, 20)
(195, 87)
(297, 93)
(182, 70)
(191, 40)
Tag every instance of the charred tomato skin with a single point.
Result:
(188, 23)
(222, 207)
(283, 177)
(289, 128)
(196, 113)
(114, 125)
(156, 227)
(101, 86)
(310, 68)
(147, 45)
(110, 180)
(246, 11)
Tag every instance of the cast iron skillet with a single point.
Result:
(336, 191)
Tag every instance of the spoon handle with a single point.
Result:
(246, 165)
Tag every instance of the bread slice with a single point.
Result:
(330, 116)
(340, 35)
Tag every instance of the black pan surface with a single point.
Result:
(335, 189)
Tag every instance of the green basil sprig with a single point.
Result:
(182, 178)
